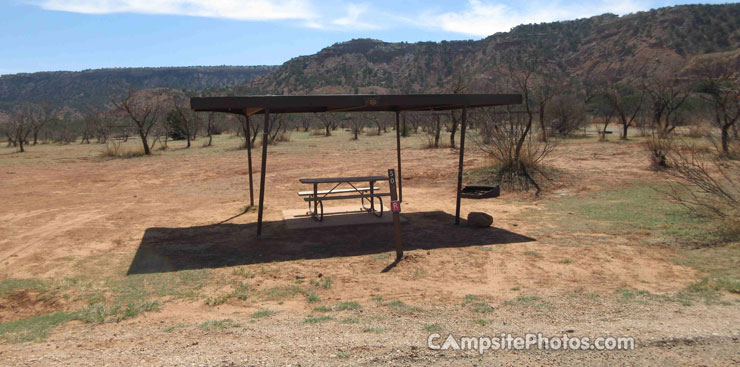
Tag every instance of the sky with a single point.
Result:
(49, 35)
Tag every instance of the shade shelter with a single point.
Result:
(251, 105)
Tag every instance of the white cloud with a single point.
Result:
(229, 9)
(330, 16)
(483, 18)
(352, 19)
(475, 18)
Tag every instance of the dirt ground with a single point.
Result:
(176, 221)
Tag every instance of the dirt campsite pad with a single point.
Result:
(336, 216)
(154, 261)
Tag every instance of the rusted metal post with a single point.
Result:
(460, 164)
(249, 159)
(262, 172)
(398, 154)
(396, 210)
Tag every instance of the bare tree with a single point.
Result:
(706, 183)
(249, 131)
(143, 111)
(622, 100)
(720, 88)
(305, 123)
(404, 130)
(566, 114)
(162, 130)
(20, 126)
(602, 108)
(415, 120)
(89, 122)
(105, 126)
(548, 82)
(210, 127)
(505, 135)
(256, 128)
(5, 128)
(459, 84)
(667, 95)
(63, 130)
(189, 120)
(380, 123)
(433, 126)
(357, 122)
(328, 120)
(518, 71)
(278, 126)
(41, 114)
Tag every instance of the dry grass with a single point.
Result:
(187, 182)
(119, 149)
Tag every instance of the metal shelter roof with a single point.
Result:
(350, 103)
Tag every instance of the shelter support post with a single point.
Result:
(249, 158)
(265, 131)
(396, 215)
(398, 155)
(463, 124)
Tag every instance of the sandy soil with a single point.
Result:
(68, 213)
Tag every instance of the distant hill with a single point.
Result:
(663, 37)
(667, 37)
(78, 88)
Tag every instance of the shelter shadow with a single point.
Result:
(220, 245)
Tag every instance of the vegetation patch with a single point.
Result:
(311, 319)
(33, 329)
(522, 301)
(239, 292)
(433, 328)
(324, 283)
(243, 272)
(263, 313)
(100, 313)
(10, 286)
(720, 263)
(174, 327)
(282, 292)
(639, 209)
(400, 306)
(344, 306)
(218, 324)
(477, 303)
(313, 298)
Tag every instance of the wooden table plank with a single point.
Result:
(342, 179)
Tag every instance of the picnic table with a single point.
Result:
(317, 197)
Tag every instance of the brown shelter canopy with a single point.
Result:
(351, 103)
(397, 103)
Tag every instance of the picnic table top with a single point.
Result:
(342, 179)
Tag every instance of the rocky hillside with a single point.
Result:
(76, 89)
(666, 37)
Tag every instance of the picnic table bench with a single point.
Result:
(317, 197)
